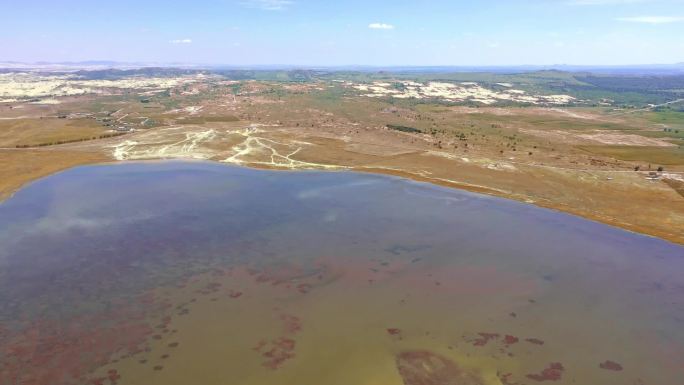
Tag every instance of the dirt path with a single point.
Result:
(647, 108)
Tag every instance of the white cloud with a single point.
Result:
(181, 41)
(268, 5)
(380, 26)
(652, 19)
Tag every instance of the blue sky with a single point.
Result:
(308, 32)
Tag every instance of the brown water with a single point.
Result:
(197, 273)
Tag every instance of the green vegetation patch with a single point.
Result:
(668, 117)
(209, 119)
(404, 128)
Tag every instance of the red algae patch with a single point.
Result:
(611, 365)
(510, 340)
(113, 375)
(56, 351)
(279, 350)
(485, 338)
(276, 351)
(68, 350)
(211, 287)
(553, 372)
(505, 379)
(534, 341)
(112, 378)
(423, 367)
(281, 275)
(394, 332)
(291, 324)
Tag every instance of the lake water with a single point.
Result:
(198, 273)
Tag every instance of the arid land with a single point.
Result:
(617, 162)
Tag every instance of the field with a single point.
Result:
(47, 131)
(672, 156)
(603, 147)
(22, 166)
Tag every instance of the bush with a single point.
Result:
(403, 128)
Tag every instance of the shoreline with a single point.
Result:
(632, 228)
(673, 237)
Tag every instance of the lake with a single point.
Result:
(199, 273)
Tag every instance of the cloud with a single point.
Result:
(180, 41)
(652, 19)
(380, 26)
(268, 5)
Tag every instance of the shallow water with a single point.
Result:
(198, 273)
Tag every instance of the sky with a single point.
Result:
(354, 32)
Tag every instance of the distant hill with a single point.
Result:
(646, 69)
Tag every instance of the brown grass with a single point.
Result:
(671, 156)
(677, 185)
(18, 167)
(36, 132)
